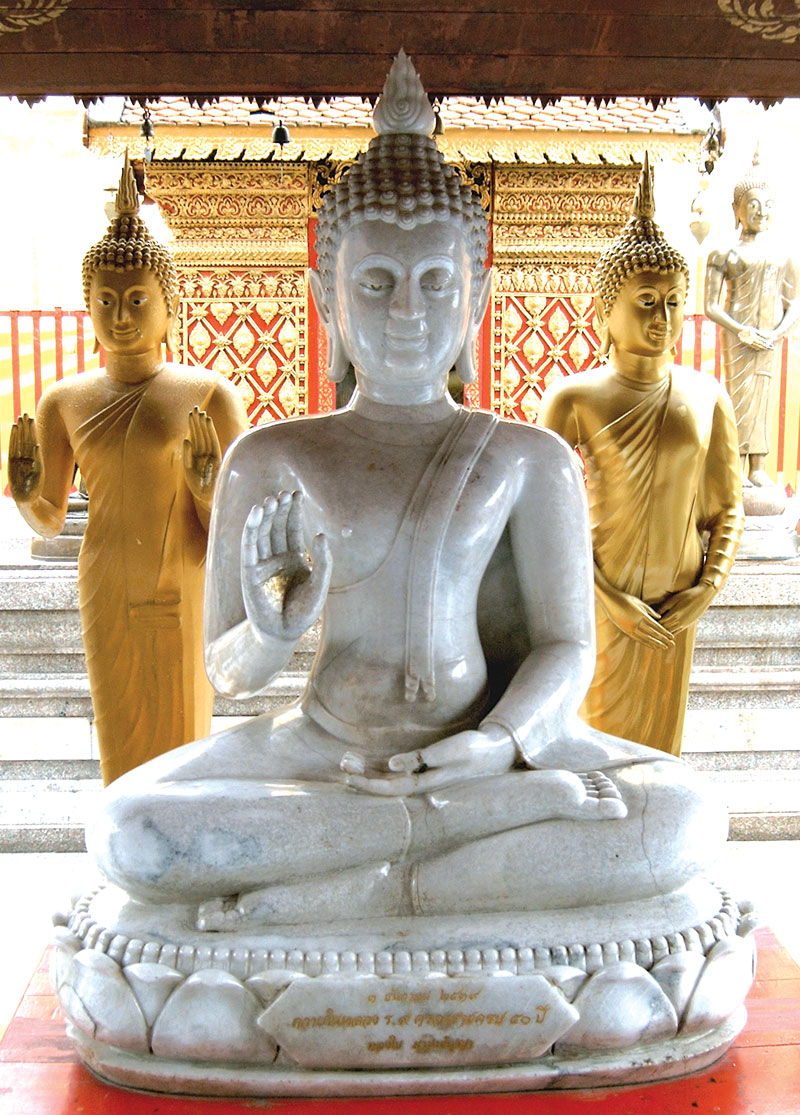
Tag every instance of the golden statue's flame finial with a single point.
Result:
(644, 201)
(403, 107)
(127, 200)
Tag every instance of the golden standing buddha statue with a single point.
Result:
(141, 565)
(761, 306)
(660, 450)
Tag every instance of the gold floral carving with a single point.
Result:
(769, 19)
(244, 214)
(241, 247)
(30, 13)
(550, 224)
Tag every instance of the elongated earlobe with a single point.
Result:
(338, 360)
(466, 361)
(466, 366)
(96, 346)
(169, 336)
(603, 332)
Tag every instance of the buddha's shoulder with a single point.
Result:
(534, 443)
(699, 385)
(579, 385)
(285, 436)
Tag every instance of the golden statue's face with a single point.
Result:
(754, 211)
(647, 316)
(128, 310)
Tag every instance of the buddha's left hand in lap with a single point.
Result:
(458, 758)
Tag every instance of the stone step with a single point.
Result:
(60, 695)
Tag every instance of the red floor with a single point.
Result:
(760, 1075)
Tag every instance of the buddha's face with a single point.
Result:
(402, 300)
(647, 316)
(754, 211)
(128, 310)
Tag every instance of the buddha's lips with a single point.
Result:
(406, 344)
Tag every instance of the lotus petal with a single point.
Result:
(152, 985)
(724, 982)
(620, 1006)
(105, 993)
(677, 976)
(212, 1017)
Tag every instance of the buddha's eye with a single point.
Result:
(435, 281)
(139, 300)
(376, 282)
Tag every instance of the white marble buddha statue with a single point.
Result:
(435, 763)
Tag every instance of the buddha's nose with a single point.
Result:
(406, 303)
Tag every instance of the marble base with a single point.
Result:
(770, 529)
(645, 1064)
(498, 1002)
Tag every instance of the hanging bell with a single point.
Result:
(280, 134)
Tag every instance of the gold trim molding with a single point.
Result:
(470, 145)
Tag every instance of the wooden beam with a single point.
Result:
(475, 47)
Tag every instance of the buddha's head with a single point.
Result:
(753, 200)
(641, 283)
(401, 284)
(129, 280)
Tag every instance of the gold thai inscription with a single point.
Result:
(417, 1020)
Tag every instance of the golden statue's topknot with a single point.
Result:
(401, 178)
(753, 180)
(641, 246)
(129, 244)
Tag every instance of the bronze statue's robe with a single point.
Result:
(141, 568)
(662, 467)
(759, 290)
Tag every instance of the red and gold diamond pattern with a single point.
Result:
(538, 337)
(259, 343)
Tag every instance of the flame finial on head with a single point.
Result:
(644, 201)
(754, 179)
(127, 199)
(128, 243)
(640, 246)
(403, 108)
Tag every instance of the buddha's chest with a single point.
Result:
(397, 505)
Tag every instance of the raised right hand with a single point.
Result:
(636, 619)
(25, 467)
(283, 586)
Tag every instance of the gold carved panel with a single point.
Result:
(241, 246)
(550, 224)
(251, 326)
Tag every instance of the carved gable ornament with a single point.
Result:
(770, 19)
(30, 13)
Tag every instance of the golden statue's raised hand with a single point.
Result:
(25, 467)
(201, 455)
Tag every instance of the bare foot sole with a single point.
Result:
(218, 914)
(603, 798)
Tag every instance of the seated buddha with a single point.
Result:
(435, 763)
